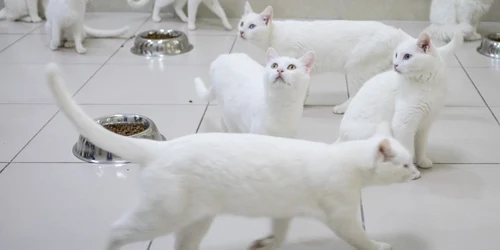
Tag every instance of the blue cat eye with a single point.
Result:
(251, 26)
(407, 56)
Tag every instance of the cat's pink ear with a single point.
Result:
(308, 60)
(267, 14)
(248, 8)
(271, 54)
(424, 41)
(384, 150)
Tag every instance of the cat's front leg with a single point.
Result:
(192, 11)
(420, 144)
(178, 7)
(190, 237)
(55, 35)
(33, 11)
(275, 239)
(349, 229)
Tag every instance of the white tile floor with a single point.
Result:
(49, 200)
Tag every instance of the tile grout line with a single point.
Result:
(202, 118)
(477, 89)
(23, 36)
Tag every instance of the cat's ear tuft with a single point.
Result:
(384, 129)
(267, 14)
(247, 9)
(308, 60)
(384, 150)
(424, 41)
(271, 54)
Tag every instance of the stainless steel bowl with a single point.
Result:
(160, 43)
(87, 151)
(490, 46)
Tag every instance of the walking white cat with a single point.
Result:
(259, 100)
(411, 96)
(65, 25)
(187, 181)
(361, 49)
(449, 16)
(213, 5)
(23, 10)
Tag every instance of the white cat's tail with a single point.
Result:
(446, 32)
(3, 13)
(203, 92)
(105, 33)
(135, 150)
(137, 4)
(454, 44)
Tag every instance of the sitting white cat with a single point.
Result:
(410, 97)
(187, 181)
(259, 100)
(213, 5)
(23, 10)
(65, 25)
(360, 49)
(449, 16)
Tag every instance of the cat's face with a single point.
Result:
(415, 56)
(254, 26)
(288, 72)
(393, 162)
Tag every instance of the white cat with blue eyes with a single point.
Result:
(255, 99)
(410, 96)
(361, 49)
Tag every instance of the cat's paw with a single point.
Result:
(228, 26)
(69, 44)
(382, 246)
(263, 244)
(191, 26)
(424, 162)
(54, 45)
(156, 19)
(36, 19)
(340, 109)
(416, 175)
(473, 37)
(81, 50)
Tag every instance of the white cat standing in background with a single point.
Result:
(23, 10)
(259, 100)
(213, 5)
(188, 181)
(65, 25)
(361, 49)
(448, 16)
(411, 96)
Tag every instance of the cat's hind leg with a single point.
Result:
(190, 237)
(178, 7)
(275, 239)
(216, 8)
(192, 11)
(158, 5)
(33, 10)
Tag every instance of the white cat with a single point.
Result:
(213, 5)
(65, 25)
(361, 49)
(410, 96)
(23, 10)
(259, 100)
(449, 16)
(187, 181)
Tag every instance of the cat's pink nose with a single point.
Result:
(395, 66)
(241, 33)
(280, 71)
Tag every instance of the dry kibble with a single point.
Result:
(125, 129)
(157, 36)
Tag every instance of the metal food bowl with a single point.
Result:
(160, 43)
(87, 151)
(490, 46)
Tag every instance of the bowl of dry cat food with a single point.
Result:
(132, 125)
(163, 42)
(490, 45)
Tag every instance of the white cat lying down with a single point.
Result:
(187, 181)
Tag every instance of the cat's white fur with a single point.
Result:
(361, 49)
(213, 5)
(187, 181)
(255, 99)
(449, 16)
(65, 25)
(410, 97)
(23, 10)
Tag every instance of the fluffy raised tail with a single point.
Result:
(105, 33)
(135, 150)
(454, 44)
(446, 32)
(205, 94)
(137, 4)
(3, 14)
